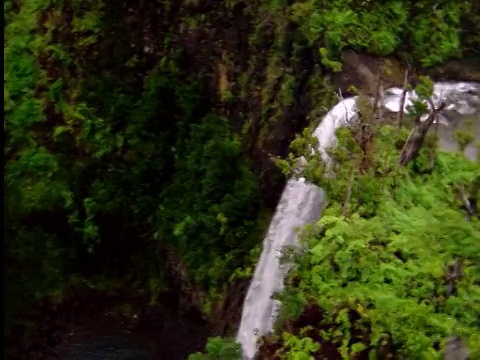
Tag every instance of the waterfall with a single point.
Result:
(301, 203)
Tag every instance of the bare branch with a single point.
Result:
(417, 136)
(349, 193)
(378, 91)
(402, 101)
(380, 99)
(466, 202)
(453, 273)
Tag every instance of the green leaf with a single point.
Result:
(59, 130)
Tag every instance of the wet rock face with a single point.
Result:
(466, 70)
(363, 70)
(226, 316)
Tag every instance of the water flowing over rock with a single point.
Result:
(301, 203)
(339, 115)
(462, 98)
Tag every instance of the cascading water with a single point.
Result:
(301, 203)
(462, 98)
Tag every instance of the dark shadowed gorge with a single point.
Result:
(146, 146)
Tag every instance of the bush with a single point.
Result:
(427, 32)
(381, 276)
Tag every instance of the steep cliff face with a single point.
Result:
(262, 74)
(260, 63)
(101, 97)
(264, 71)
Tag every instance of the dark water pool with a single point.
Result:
(107, 348)
(156, 334)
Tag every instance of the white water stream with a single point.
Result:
(301, 203)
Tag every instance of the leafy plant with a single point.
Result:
(429, 31)
(384, 264)
(102, 152)
(219, 349)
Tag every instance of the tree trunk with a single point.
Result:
(346, 203)
(417, 136)
(402, 101)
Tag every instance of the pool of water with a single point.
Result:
(157, 333)
(107, 348)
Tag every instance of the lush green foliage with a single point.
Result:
(376, 263)
(104, 151)
(113, 152)
(427, 31)
(220, 188)
(219, 349)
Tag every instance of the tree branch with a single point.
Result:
(453, 273)
(349, 193)
(378, 92)
(402, 101)
(466, 202)
(417, 136)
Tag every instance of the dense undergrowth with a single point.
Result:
(424, 31)
(376, 275)
(105, 153)
(392, 266)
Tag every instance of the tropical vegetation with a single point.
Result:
(139, 129)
